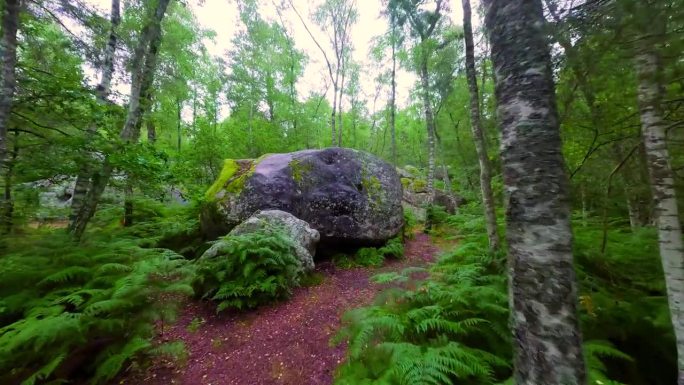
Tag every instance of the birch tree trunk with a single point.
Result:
(332, 115)
(542, 284)
(102, 93)
(143, 65)
(8, 56)
(430, 123)
(393, 95)
(340, 126)
(478, 134)
(649, 93)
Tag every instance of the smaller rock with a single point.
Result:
(450, 202)
(305, 238)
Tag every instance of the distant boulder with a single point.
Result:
(349, 196)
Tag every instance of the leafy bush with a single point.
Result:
(371, 256)
(248, 270)
(69, 311)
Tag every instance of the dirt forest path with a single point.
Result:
(283, 344)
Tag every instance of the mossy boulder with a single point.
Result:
(349, 196)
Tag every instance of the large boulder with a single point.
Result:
(305, 238)
(349, 196)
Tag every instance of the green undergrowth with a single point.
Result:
(453, 326)
(623, 300)
(371, 256)
(83, 311)
(410, 223)
(155, 224)
(248, 270)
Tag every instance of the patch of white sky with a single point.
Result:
(222, 17)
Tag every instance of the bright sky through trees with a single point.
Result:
(222, 17)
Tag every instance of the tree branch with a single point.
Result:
(38, 124)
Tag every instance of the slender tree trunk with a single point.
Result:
(447, 180)
(151, 131)
(194, 109)
(340, 126)
(8, 59)
(143, 66)
(633, 210)
(178, 124)
(430, 123)
(478, 134)
(270, 98)
(128, 205)
(542, 283)
(8, 56)
(393, 95)
(102, 92)
(250, 133)
(333, 115)
(8, 203)
(650, 92)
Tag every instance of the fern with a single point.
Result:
(248, 270)
(453, 328)
(61, 300)
(371, 256)
(422, 336)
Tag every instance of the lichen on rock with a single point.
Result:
(347, 195)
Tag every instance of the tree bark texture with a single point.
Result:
(102, 92)
(542, 284)
(393, 95)
(333, 120)
(8, 60)
(478, 133)
(430, 123)
(143, 66)
(649, 93)
(8, 57)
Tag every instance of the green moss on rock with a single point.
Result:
(299, 170)
(419, 185)
(232, 178)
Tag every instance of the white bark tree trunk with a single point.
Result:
(478, 134)
(8, 61)
(393, 95)
(649, 94)
(430, 123)
(8, 58)
(542, 284)
(144, 64)
(102, 92)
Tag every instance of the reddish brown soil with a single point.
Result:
(283, 344)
